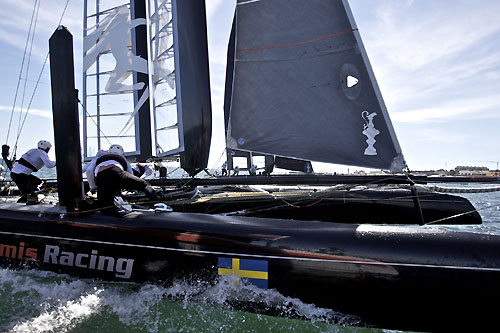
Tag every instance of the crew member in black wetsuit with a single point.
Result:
(112, 174)
(224, 169)
(31, 161)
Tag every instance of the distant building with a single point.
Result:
(472, 171)
(470, 168)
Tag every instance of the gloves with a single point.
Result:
(5, 150)
(151, 193)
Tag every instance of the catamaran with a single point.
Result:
(299, 88)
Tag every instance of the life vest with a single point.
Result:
(113, 157)
(27, 164)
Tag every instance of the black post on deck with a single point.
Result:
(140, 48)
(66, 121)
(416, 202)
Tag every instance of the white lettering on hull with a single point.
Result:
(121, 266)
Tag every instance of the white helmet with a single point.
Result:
(100, 153)
(116, 149)
(44, 145)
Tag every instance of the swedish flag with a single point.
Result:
(249, 270)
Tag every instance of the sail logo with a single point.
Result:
(370, 132)
(122, 267)
(113, 34)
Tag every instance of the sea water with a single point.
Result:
(36, 301)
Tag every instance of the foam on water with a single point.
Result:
(63, 318)
(229, 291)
(44, 302)
(34, 301)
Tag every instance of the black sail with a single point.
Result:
(193, 74)
(302, 86)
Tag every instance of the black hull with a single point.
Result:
(374, 206)
(400, 277)
(321, 179)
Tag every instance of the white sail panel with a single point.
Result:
(129, 75)
(169, 135)
(303, 88)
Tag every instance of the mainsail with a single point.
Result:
(146, 83)
(301, 86)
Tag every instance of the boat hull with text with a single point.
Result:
(392, 276)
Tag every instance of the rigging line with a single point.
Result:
(458, 215)
(20, 72)
(322, 197)
(168, 173)
(217, 162)
(37, 82)
(298, 206)
(93, 120)
(31, 101)
(296, 44)
(64, 11)
(349, 187)
(28, 67)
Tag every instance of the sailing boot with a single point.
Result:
(32, 199)
(123, 207)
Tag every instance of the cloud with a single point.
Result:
(457, 109)
(411, 37)
(439, 136)
(36, 112)
(15, 23)
(435, 62)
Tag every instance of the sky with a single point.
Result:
(437, 64)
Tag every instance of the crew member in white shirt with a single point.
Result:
(31, 161)
(113, 173)
(89, 170)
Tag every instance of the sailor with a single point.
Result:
(142, 170)
(162, 171)
(89, 169)
(236, 171)
(224, 169)
(31, 161)
(253, 170)
(5, 156)
(113, 173)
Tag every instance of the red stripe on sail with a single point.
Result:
(296, 44)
